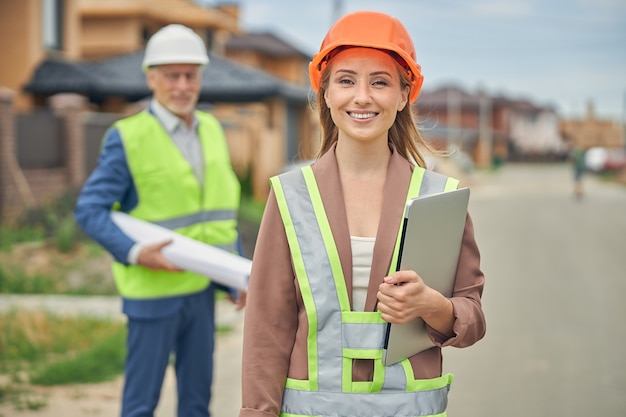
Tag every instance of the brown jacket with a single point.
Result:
(275, 329)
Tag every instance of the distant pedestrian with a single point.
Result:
(577, 157)
(168, 165)
(323, 283)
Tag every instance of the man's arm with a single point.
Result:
(109, 184)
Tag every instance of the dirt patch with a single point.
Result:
(68, 401)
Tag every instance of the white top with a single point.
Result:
(186, 139)
(362, 253)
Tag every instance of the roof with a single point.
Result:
(266, 43)
(162, 12)
(223, 80)
(440, 97)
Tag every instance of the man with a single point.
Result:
(168, 165)
(577, 155)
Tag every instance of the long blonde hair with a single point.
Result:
(403, 134)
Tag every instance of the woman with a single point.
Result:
(323, 283)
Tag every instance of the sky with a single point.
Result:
(559, 53)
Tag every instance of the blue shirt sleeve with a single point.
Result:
(109, 184)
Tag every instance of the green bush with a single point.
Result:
(53, 219)
(65, 234)
(251, 210)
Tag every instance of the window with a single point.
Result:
(52, 24)
(210, 35)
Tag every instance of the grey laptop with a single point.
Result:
(430, 245)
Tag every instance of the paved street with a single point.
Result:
(554, 301)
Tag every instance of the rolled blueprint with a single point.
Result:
(217, 264)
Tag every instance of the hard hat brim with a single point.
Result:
(177, 59)
(316, 65)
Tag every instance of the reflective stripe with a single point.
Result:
(230, 247)
(363, 336)
(301, 275)
(430, 402)
(336, 334)
(432, 183)
(395, 378)
(199, 217)
(319, 275)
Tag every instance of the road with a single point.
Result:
(554, 299)
(555, 282)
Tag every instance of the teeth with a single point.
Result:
(362, 115)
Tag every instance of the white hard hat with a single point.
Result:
(175, 44)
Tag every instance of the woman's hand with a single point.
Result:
(404, 296)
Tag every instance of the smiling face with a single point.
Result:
(176, 87)
(364, 94)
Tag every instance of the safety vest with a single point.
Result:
(170, 195)
(337, 336)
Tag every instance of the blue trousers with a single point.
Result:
(189, 333)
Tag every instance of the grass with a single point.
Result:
(42, 268)
(38, 348)
(102, 361)
(14, 281)
(11, 235)
(33, 340)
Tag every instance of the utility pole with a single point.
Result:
(337, 10)
(624, 121)
(453, 116)
(485, 126)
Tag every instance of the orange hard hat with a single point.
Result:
(370, 30)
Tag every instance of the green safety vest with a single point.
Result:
(337, 336)
(171, 196)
